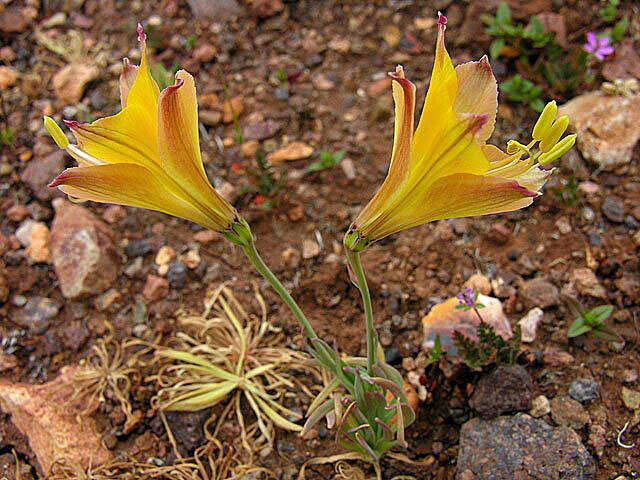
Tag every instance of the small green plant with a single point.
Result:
(609, 12)
(191, 41)
(281, 76)
(568, 194)
(619, 30)
(6, 137)
(490, 348)
(519, 89)
(592, 321)
(164, 77)
(265, 182)
(326, 160)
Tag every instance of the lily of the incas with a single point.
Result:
(148, 154)
(445, 169)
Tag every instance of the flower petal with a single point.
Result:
(129, 184)
(477, 94)
(460, 195)
(144, 90)
(179, 144)
(127, 77)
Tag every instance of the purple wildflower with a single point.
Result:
(467, 297)
(598, 48)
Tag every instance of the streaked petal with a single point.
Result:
(129, 184)
(404, 96)
(127, 77)
(179, 144)
(477, 94)
(144, 90)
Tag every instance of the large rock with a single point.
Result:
(523, 448)
(82, 249)
(506, 389)
(54, 429)
(608, 126)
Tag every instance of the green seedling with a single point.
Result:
(518, 89)
(266, 184)
(164, 77)
(591, 321)
(7, 137)
(609, 12)
(326, 160)
(619, 30)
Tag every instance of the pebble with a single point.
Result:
(630, 398)
(529, 324)
(310, 249)
(165, 255)
(630, 375)
(294, 151)
(70, 81)
(556, 358)
(210, 118)
(137, 248)
(232, 109)
(540, 293)
(587, 214)
(155, 288)
(8, 77)
(567, 412)
(480, 283)
(281, 93)
(261, 130)
(177, 275)
(37, 313)
(540, 406)
(564, 225)
(348, 168)
(587, 283)
(584, 390)
(114, 213)
(613, 209)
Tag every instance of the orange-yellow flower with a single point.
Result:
(445, 169)
(147, 155)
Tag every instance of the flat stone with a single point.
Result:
(613, 208)
(40, 172)
(529, 324)
(71, 80)
(608, 126)
(523, 448)
(540, 293)
(262, 130)
(84, 255)
(506, 389)
(310, 249)
(55, 429)
(556, 357)
(584, 390)
(587, 283)
(291, 152)
(566, 411)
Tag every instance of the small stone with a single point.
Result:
(282, 93)
(104, 301)
(584, 390)
(155, 288)
(630, 398)
(249, 149)
(261, 130)
(191, 259)
(391, 35)
(506, 389)
(540, 293)
(556, 358)
(204, 53)
(521, 447)
(232, 109)
(348, 168)
(210, 118)
(228, 191)
(567, 412)
(540, 406)
(114, 213)
(37, 313)
(310, 249)
(177, 275)
(529, 324)
(379, 87)
(293, 151)
(165, 255)
(341, 45)
(322, 82)
(40, 172)
(206, 236)
(480, 283)
(291, 257)
(17, 213)
(137, 248)
(296, 213)
(13, 20)
(613, 209)
(8, 77)
(587, 214)
(630, 375)
(589, 188)
(70, 81)
(564, 225)
(38, 248)
(23, 232)
(134, 268)
(587, 283)
(7, 361)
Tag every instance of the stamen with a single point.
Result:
(83, 158)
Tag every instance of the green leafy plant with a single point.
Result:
(191, 41)
(7, 137)
(619, 30)
(592, 321)
(490, 348)
(568, 193)
(522, 90)
(326, 160)
(265, 182)
(609, 12)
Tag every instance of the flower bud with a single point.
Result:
(56, 133)
(543, 124)
(553, 134)
(562, 147)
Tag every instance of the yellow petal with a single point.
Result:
(404, 96)
(437, 115)
(127, 77)
(477, 94)
(460, 195)
(132, 185)
(179, 145)
(144, 90)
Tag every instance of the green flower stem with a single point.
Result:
(252, 254)
(356, 265)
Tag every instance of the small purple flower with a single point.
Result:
(467, 297)
(598, 48)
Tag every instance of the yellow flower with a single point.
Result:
(445, 169)
(147, 155)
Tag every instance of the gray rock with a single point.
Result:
(177, 275)
(523, 448)
(584, 390)
(36, 314)
(613, 209)
(506, 389)
(188, 429)
(262, 130)
(540, 293)
(565, 411)
(41, 171)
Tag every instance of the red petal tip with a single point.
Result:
(71, 123)
(59, 180)
(141, 35)
(442, 20)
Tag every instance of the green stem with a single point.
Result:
(254, 257)
(356, 265)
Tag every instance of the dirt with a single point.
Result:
(408, 272)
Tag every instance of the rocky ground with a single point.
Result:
(293, 80)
